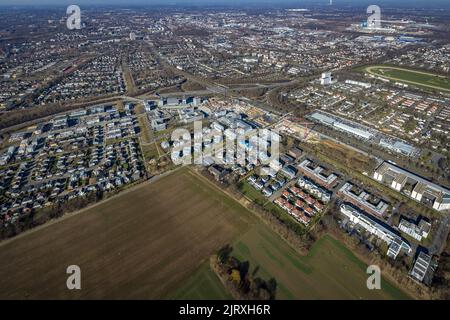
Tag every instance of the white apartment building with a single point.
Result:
(395, 242)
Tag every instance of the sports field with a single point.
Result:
(140, 244)
(408, 76)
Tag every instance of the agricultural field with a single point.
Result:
(202, 285)
(329, 271)
(424, 79)
(140, 244)
(154, 241)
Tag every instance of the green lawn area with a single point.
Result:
(253, 194)
(425, 79)
(257, 197)
(202, 285)
(151, 151)
(329, 271)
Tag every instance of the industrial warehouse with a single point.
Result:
(364, 133)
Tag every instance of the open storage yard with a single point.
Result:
(154, 241)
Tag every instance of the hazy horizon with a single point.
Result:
(230, 3)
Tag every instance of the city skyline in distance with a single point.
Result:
(230, 3)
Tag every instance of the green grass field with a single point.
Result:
(154, 241)
(423, 79)
(202, 285)
(256, 196)
(329, 271)
(251, 193)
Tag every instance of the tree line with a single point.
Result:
(236, 275)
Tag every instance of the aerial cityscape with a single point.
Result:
(214, 150)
